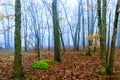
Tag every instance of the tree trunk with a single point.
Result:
(77, 32)
(111, 60)
(25, 26)
(108, 43)
(119, 37)
(62, 41)
(89, 53)
(38, 48)
(83, 30)
(56, 32)
(8, 31)
(102, 32)
(17, 58)
(68, 22)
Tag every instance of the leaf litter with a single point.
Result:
(73, 66)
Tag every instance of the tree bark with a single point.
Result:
(56, 32)
(108, 43)
(89, 53)
(102, 32)
(111, 60)
(17, 58)
(77, 31)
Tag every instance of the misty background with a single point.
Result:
(37, 16)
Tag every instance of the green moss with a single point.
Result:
(46, 61)
(39, 65)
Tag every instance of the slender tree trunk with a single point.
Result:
(38, 48)
(102, 32)
(7, 31)
(4, 34)
(68, 21)
(25, 26)
(49, 38)
(89, 53)
(103, 39)
(25, 32)
(83, 30)
(36, 31)
(108, 43)
(92, 20)
(17, 58)
(25, 37)
(56, 32)
(119, 37)
(48, 30)
(68, 39)
(111, 60)
(77, 32)
(62, 41)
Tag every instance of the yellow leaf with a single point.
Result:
(90, 37)
(91, 47)
(95, 44)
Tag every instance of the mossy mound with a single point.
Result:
(41, 65)
(46, 61)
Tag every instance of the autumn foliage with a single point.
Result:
(91, 37)
(94, 44)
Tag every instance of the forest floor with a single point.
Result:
(73, 66)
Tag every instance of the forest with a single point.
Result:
(60, 40)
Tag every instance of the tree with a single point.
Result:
(103, 38)
(119, 36)
(35, 30)
(56, 31)
(47, 25)
(71, 31)
(77, 31)
(8, 31)
(102, 32)
(83, 28)
(106, 60)
(91, 16)
(60, 31)
(25, 28)
(17, 58)
(111, 59)
(89, 42)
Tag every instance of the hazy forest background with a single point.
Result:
(60, 39)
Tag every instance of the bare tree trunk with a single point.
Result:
(77, 31)
(8, 31)
(89, 53)
(111, 60)
(68, 21)
(62, 41)
(108, 43)
(48, 30)
(56, 32)
(18, 73)
(25, 26)
(119, 37)
(83, 30)
(102, 32)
